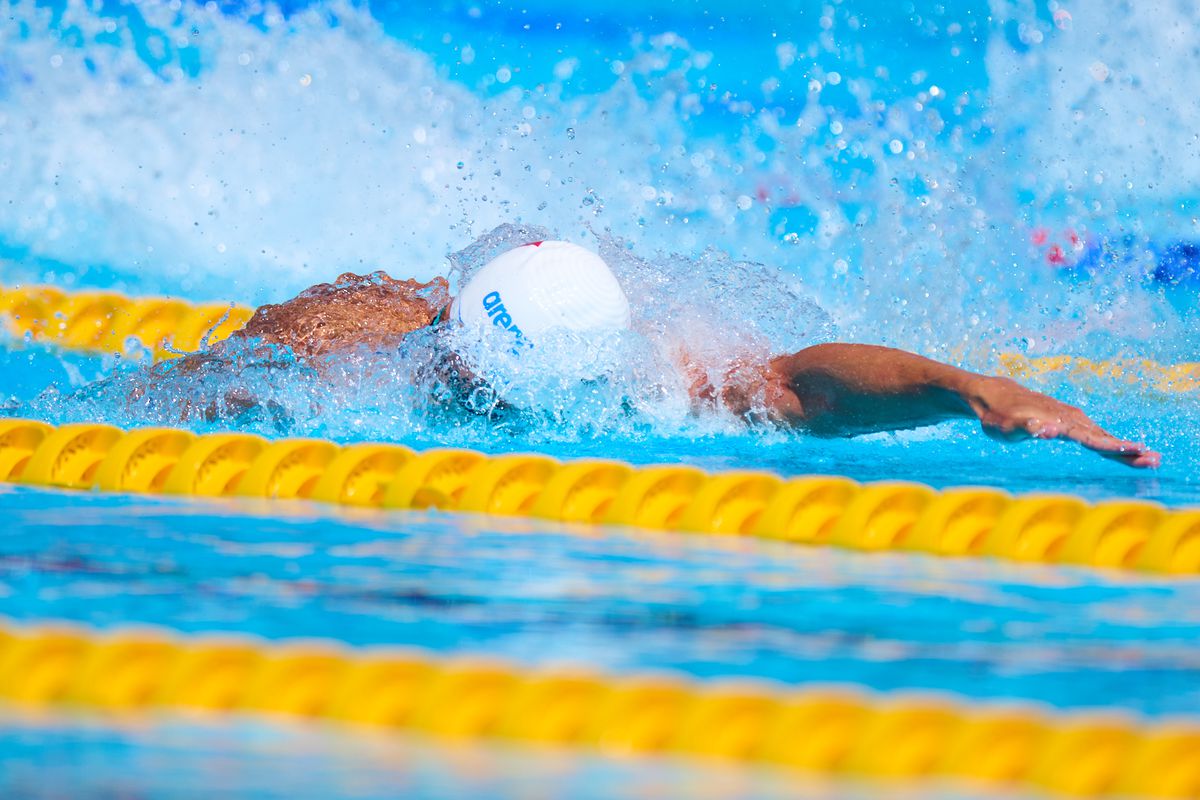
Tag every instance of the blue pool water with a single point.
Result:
(963, 180)
(536, 595)
(624, 602)
(173, 760)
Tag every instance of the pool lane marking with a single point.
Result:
(810, 510)
(844, 731)
(104, 322)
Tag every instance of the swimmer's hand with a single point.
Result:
(848, 389)
(1010, 412)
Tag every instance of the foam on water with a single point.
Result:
(247, 154)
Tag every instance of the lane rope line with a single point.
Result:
(828, 731)
(812, 510)
(1141, 372)
(103, 322)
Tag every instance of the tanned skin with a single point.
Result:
(848, 389)
(827, 390)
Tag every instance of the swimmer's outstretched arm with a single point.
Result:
(847, 389)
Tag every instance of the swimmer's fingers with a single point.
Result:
(1010, 412)
(1071, 425)
(1149, 459)
(1080, 429)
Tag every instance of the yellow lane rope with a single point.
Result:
(814, 510)
(102, 322)
(1183, 377)
(831, 731)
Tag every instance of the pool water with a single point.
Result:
(56, 756)
(963, 180)
(618, 600)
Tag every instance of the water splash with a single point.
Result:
(569, 386)
(247, 154)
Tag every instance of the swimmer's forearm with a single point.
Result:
(847, 389)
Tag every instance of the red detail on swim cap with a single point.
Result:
(533, 244)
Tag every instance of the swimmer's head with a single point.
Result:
(543, 286)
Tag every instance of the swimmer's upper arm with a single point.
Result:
(842, 389)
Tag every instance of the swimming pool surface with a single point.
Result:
(80, 757)
(624, 601)
(963, 180)
(618, 600)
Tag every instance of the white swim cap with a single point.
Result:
(544, 285)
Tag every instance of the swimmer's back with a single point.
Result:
(356, 311)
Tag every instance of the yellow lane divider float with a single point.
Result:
(99, 321)
(1161, 377)
(102, 322)
(815, 510)
(831, 731)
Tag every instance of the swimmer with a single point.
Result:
(827, 390)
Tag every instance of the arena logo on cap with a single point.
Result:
(494, 306)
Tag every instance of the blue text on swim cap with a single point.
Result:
(494, 306)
